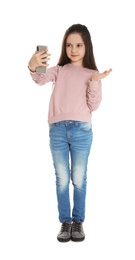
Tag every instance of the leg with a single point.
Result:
(80, 149)
(60, 155)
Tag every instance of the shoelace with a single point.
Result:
(65, 227)
(77, 226)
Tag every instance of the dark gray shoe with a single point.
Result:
(65, 232)
(77, 233)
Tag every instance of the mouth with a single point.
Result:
(73, 56)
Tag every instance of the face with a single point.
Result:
(75, 49)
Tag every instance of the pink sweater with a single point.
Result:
(74, 96)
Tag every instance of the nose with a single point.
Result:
(73, 49)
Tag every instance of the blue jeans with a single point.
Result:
(70, 143)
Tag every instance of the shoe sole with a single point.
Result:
(77, 239)
(63, 240)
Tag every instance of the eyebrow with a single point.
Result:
(76, 43)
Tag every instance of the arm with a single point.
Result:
(94, 90)
(36, 60)
(43, 78)
(93, 95)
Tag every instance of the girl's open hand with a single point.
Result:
(101, 75)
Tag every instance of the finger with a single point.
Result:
(106, 72)
(109, 70)
(44, 60)
(44, 64)
(39, 53)
(43, 51)
(45, 56)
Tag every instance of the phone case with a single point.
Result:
(41, 69)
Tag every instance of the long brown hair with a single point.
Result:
(88, 60)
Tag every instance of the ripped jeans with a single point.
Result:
(70, 143)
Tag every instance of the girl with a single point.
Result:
(77, 93)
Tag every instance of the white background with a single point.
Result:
(28, 208)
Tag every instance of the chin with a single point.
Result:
(74, 60)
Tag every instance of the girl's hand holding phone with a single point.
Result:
(38, 61)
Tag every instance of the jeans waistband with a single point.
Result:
(68, 122)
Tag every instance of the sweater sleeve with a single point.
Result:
(94, 94)
(44, 78)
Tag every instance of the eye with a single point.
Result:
(68, 45)
(79, 45)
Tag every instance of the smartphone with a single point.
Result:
(41, 69)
